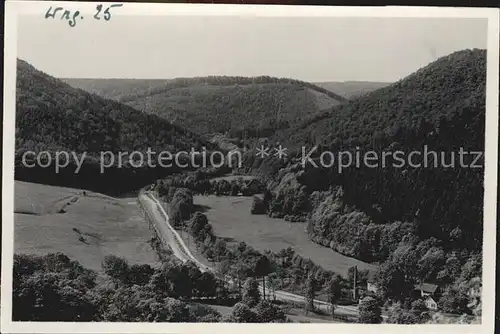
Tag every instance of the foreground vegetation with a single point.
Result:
(55, 288)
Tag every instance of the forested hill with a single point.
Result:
(51, 115)
(447, 90)
(240, 107)
(366, 212)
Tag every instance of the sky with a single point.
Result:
(309, 49)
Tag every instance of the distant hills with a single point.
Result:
(51, 115)
(351, 89)
(237, 106)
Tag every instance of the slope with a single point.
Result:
(85, 226)
(365, 212)
(244, 107)
(53, 116)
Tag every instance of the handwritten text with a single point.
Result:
(101, 12)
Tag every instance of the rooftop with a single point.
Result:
(426, 287)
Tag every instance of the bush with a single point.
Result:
(116, 267)
(267, 312)
(369, 311)
(251, 293)
(243, 313)
(258, 206)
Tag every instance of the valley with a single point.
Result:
(223, 237)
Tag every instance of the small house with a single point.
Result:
(427, 289)
(430, 303)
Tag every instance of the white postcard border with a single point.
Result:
(15, 8)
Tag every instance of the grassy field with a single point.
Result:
(85, 227)
(231, 219)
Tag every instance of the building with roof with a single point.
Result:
(430, 303)
(427, 289)
(428, 292)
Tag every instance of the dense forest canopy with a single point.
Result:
(53, 116)
(365, 212)
(240, 107)
(52, 113)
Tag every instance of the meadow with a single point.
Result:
(86, 226)
(232, 220)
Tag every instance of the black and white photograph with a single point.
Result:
(312, 169)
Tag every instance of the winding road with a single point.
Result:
(170, 236)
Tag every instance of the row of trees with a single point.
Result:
(200, 183)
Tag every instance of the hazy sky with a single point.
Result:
(311, 49)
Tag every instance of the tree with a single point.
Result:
(420, 311)
(116, 267)
(398, 315)
(206, 285)
(432, 261)
(223, 268)
(369, 311)
(267, 312)
(258, 206)
(272, 284)
(268, 197)
(334, 291)
(454, 301)
(251, 293)
(393, 283)
(220, 249)
(51, 297)
(181, 206)
(235, 189)
(243, 313)
(197, 225)
(242, 271)
(174, 311)
(139, 274)
(311, 288)
(52, 288)
(204, 313)
(173, 280)
(262, 269)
